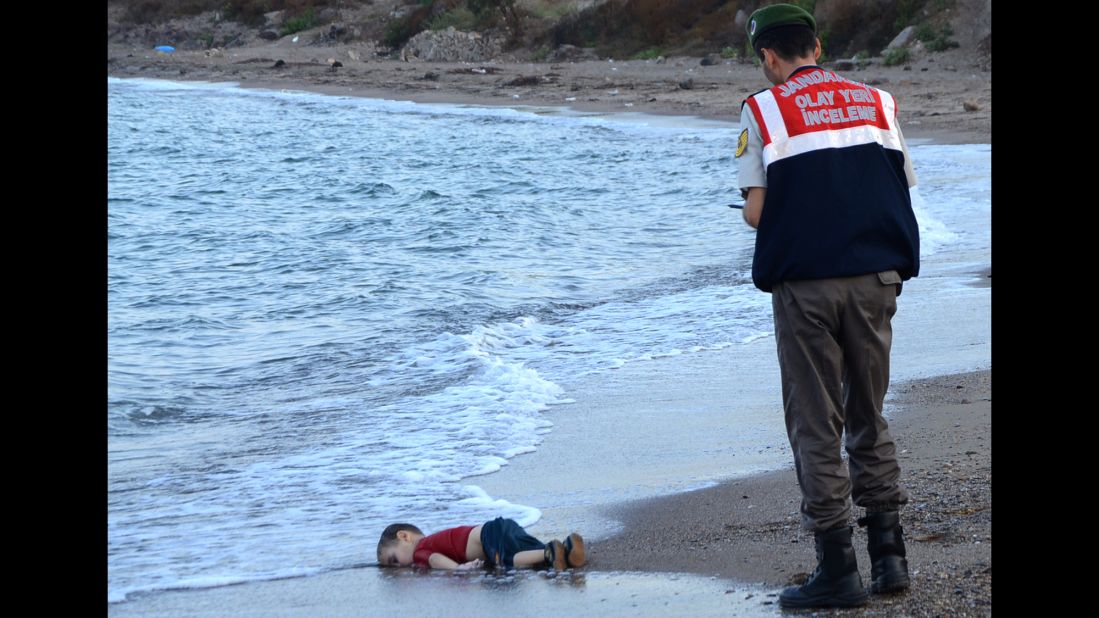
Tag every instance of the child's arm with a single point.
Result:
(439, 561)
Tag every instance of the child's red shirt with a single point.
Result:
(451, 543)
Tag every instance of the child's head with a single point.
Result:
(397, 545)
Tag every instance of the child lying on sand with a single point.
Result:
(500, 542)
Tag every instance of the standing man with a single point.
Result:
(825, 172)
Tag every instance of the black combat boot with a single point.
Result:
(885, 540)
(836, 581)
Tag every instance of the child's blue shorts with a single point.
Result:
(503, 538)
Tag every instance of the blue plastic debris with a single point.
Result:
(165, 49)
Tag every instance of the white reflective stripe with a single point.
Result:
(890, 139)
(889, 106)
(783, 146)
(772, 121)
(837, 138)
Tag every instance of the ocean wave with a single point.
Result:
(934, 234)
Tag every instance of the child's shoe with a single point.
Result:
(574, 550)
(555, 555)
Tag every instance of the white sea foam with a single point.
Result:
(166, 85)
(480, 502)
(933, 232)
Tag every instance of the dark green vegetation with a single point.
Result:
(247, 12)
(614, 28)
(936, 39)
(897, 56)
(296, 24)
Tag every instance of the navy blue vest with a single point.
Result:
(837, 202)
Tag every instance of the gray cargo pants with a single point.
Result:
(833, 338)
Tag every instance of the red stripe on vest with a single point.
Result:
(827, 105)
(764, 133)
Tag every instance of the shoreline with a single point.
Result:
(725, 549)
(941, 136)
(749, 529)
(932, 92)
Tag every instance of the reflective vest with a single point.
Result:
(837, 201)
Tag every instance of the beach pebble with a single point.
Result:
(971, 106)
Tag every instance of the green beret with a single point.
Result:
(776, 15)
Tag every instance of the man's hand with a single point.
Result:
(753, 205)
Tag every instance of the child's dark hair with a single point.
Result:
(789, 42)
(389, 536)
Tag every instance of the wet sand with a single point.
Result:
(931, 92)
(724, 550)
(377, 592)
(749, 529)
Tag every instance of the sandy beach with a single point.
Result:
(725, 549)
(749, 529)
(932, 92)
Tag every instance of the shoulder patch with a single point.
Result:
(742, 143)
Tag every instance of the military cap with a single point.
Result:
(770, 17)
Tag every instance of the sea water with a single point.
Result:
(327, 314)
